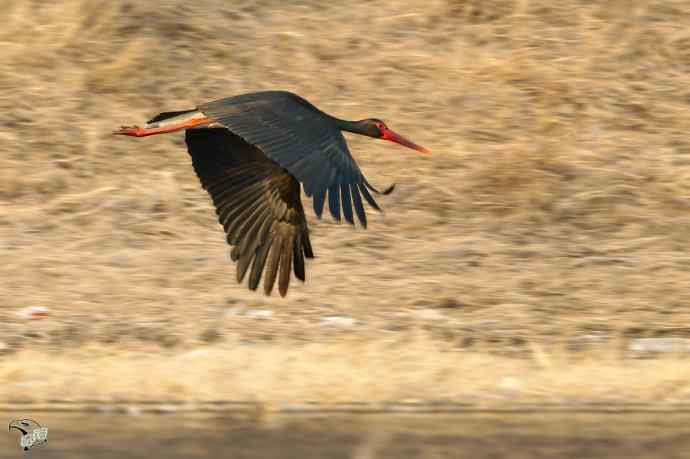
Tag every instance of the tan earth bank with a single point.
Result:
(524, 260)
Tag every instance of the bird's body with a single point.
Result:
(251, 152)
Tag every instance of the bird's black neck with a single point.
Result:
(344, 125)
(349, 126)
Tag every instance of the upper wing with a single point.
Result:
(257, 202)
(290, 131)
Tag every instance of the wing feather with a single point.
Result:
(298, 256)
(334, 202)
(300, 138)
(273, 261)
(258, 203)
(319, 201)
(359, 208)
(258, 265)
(347, 203)
(370, 199)
(285, 262)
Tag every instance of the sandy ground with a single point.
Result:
(547, 232)
(470, 436)
(525, 436)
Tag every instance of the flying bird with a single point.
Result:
(251, 152)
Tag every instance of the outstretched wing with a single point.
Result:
(296, 135)
(257, 202)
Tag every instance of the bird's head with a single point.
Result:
(374, 127)
(22, 425)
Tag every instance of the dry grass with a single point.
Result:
(556, 202)
(390, 369)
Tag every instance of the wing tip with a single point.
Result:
(388, 190)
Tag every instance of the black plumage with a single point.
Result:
(257, 202)
(298, 136)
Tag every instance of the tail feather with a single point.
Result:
(166, 115)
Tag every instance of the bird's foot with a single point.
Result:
(154, 128)
(134, 131)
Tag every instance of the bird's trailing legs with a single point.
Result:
(164, 127)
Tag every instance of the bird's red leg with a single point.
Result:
(136, 131)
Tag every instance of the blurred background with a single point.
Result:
(538, 256)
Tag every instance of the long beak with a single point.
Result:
(397, 138)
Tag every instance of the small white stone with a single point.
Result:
(196, 353)
(133, 410)
(428, 314)
(259, 313)
(510, 383)
(105, 408)
(339, 321)
(166, 409)
(659, 345)
(234, 311)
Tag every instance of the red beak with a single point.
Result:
(397, 138)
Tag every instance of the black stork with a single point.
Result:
(251, 152)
